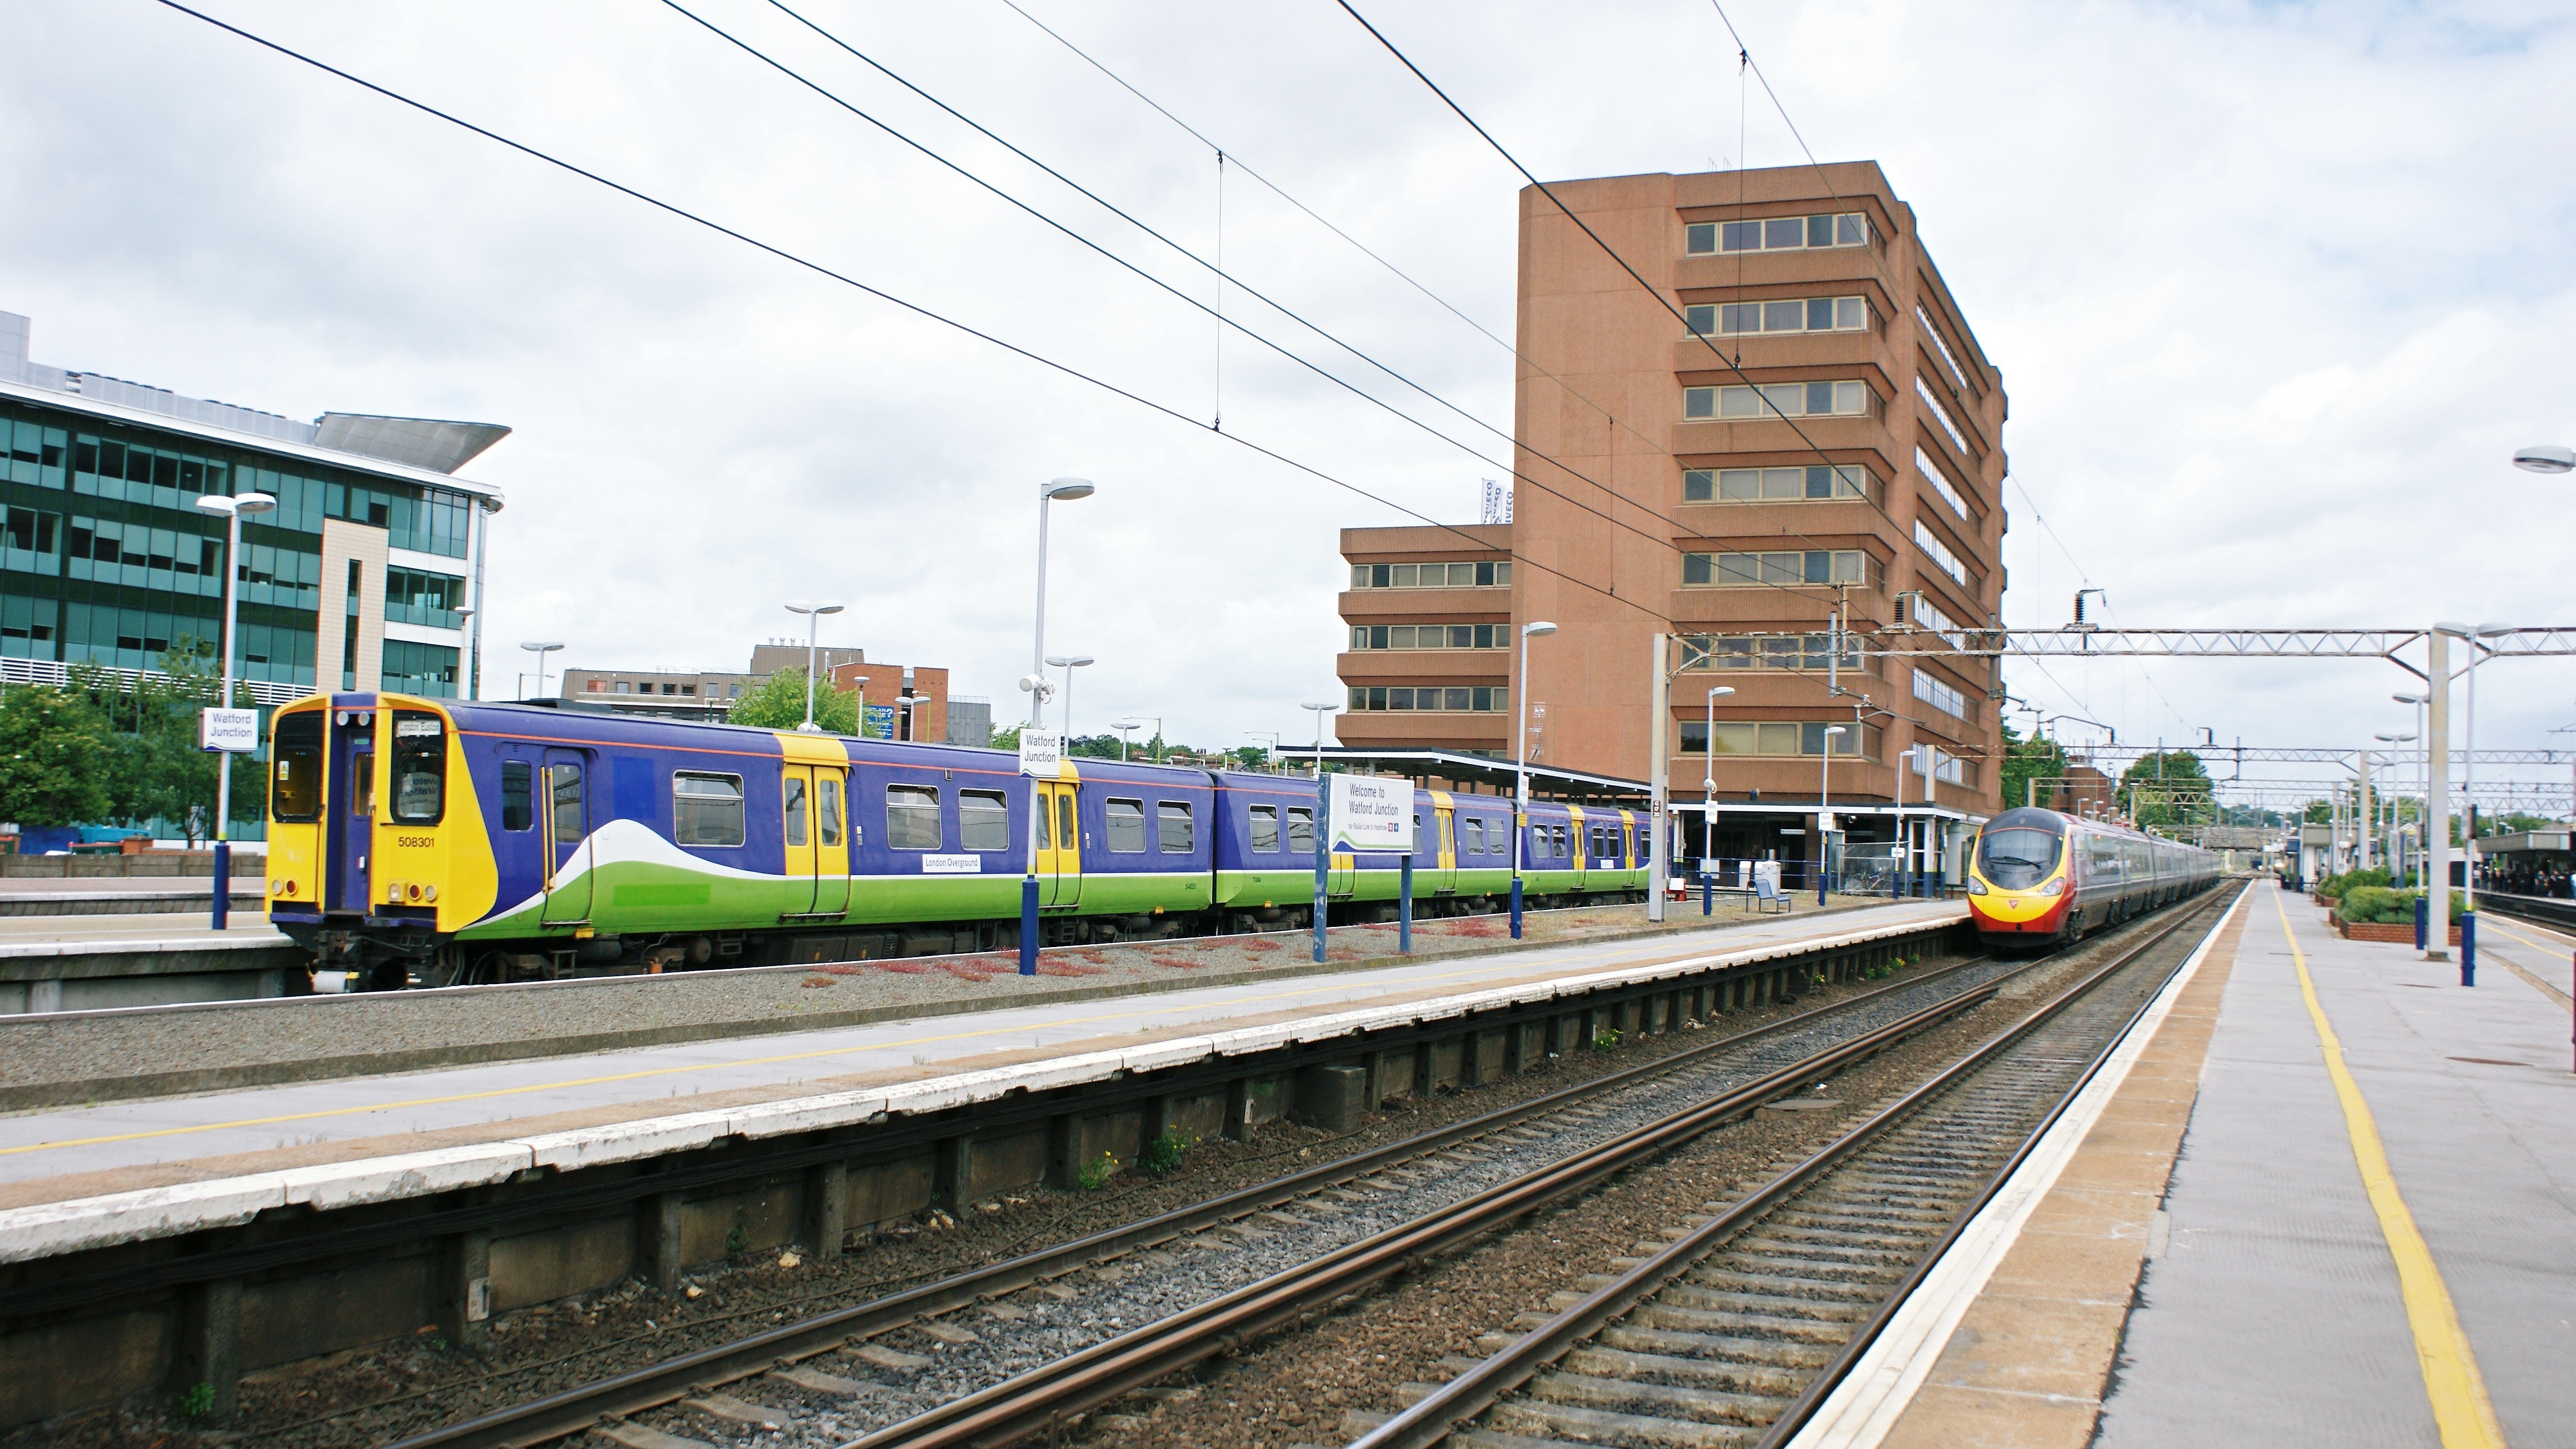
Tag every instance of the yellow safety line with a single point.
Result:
(1126, 1015)
(2461, 1409)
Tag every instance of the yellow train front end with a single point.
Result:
(377, 849)
(2021, 879)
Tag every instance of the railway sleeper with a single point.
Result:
(1694, 1403)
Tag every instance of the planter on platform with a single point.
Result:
(2397, 933)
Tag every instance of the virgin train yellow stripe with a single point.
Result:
(2461, 1410)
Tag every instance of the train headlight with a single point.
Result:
(276, 887)
(1976, 887)
(2055, 887)
(429, 893)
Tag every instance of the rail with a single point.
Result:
(1452, 1407)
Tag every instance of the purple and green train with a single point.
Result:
(426, 841)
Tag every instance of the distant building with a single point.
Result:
(901, 701)
(366, 576)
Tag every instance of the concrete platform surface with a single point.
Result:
(131, 931)
(2278, 1297)
(49, 1155)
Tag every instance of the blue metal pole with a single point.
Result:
(2468, 948)
(1404, 911)
(2423, 908)
(223, 866)
(1323, 855)
(1707, 890)
(1029, 926)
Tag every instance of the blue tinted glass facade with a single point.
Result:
(106, 559)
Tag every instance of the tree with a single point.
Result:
(2167, 790)
(1006, 737)
(2025, 761)
(2319, 812)
(778, 703)
(54, 756)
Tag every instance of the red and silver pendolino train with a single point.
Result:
(2038, 878)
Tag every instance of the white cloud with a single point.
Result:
(2275, 290)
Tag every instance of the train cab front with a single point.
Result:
(364, 847)
(2020, 880)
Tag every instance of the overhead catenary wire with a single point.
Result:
(1237, 162)
(1223, 322)
(820, 269)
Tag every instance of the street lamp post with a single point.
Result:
(1323, 828)
(907, 702)
(813, 653)
(2422, 766)
(1825, 815)
(232, 508)
(1067, 489)
(1708, 809)
(2474, 635)
(2397, 849)
(541, 648)
(1069, 663)
(861, 681)
(1520, 763)
(473, 677)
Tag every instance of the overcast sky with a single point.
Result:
(2275, 290)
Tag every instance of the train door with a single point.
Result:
(1059, 844)
(351, 810)
(1444, 846)
(1580, 841)
(814, 823)
(564, 792)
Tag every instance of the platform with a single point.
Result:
(54, 1154)
(2209, 1265)
(110, 959)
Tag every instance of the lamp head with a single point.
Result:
(1321, 708)
(248, 503)
(1534, 630)
(1067, 489)
(1721, 690)
(2409, 698)
(2453, 628)
(2545, 458)
(1836, 730)
(541, 646)
(2491, 630)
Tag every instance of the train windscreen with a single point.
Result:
(2016, 859)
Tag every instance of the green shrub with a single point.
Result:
(2366, 904)
(1095, 1174)
(1606, 1039)
(2336, 885)
(1163, 1154)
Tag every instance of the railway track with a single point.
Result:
(905, 1350)
(1732, 1335)
(1018, 1348)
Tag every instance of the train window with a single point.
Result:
(791, 800)
(1126, 827)
(1471, 836)
(420, 768)
(2016, 859)
(296, 793)
(1265, 829)
(984, 820)
(706, 809)
(564, 779)
(1046, 830)
(1564, 841)
(912, 817)
(1301, 830)
(518, 802)
(828, 808)
(1175, 832)
(1064, 821)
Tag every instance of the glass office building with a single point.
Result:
(365, 576)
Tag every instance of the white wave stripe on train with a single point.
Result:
(627, 842)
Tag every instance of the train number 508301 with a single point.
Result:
(421, 840)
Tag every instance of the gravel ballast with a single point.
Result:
(77, 1057)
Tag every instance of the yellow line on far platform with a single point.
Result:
(2462, 1412)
